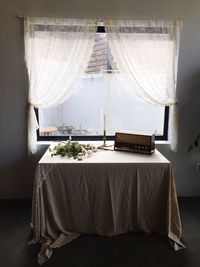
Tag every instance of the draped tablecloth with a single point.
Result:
(107, 194)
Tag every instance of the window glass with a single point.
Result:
(102, 92)
(99, 95)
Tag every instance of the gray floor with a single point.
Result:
(132, 249)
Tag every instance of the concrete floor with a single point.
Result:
(131, 249)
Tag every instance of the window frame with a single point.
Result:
(163, 137)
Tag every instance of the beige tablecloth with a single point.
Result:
(106, 194)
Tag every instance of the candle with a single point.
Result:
(104, 130)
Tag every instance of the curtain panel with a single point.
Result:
(56, 54)
(146, 52)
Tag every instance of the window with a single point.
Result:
(102, 99)
(126, 65)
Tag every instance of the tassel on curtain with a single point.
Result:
(146, 52)
(56, 53)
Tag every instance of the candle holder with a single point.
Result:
(104, 138)
(104, 145)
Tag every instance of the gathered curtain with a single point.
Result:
(56, 52)
(146, 52)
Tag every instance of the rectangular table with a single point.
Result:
(107, 194)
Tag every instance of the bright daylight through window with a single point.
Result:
(103, 93)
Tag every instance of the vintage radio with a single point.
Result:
(138, 143)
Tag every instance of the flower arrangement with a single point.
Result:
(195, 143)
(72, 149)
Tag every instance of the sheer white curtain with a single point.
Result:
(147, 53)
(56, 53)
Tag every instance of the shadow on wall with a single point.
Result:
(189, 103)
(17, 179)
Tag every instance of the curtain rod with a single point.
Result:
(177, 21)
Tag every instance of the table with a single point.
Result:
(107, 194)
(48, 130)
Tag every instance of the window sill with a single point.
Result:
(162, 142)
(97, 143)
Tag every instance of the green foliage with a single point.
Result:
(69, 149)
(195, 143)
